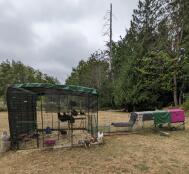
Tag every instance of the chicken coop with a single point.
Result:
(45, 115)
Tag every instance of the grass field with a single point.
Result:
(145, 152)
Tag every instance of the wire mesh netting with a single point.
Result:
(50, 118)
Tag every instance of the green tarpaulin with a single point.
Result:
(161, 117)
(70, 88)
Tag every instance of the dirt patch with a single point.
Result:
(4, 125)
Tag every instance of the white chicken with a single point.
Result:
(100, 137)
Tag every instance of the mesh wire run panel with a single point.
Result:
(21, 114)
(35, 117)
(85, 106)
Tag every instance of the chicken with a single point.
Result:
(100, 137)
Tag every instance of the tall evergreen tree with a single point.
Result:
(149, 64)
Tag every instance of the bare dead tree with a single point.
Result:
(108, 32)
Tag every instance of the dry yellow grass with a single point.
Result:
(135, 153)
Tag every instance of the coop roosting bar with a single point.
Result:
(43, 115)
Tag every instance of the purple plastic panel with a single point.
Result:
(177, 115)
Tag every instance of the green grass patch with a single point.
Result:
(142, 167)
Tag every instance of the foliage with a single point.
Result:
(16, 72)
(146, 59)
(150, 64)
(93, 73)
(186, 105)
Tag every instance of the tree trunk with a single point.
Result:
(175, 90)
(180, 97)
(181, 94)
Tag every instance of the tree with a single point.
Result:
(151, 32)
(16, 72)
(149, 64)
(155, 76)
(93, 73)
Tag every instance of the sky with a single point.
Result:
(54, 35)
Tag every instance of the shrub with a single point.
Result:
(3, 109)
(186, 105)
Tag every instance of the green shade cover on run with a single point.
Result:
(161, 117)
(70, 88)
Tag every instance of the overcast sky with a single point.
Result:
(53, 35)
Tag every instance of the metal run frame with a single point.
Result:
(34, 121)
